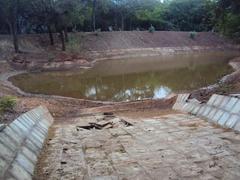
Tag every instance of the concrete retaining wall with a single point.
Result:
(222, 110)
(21, 142)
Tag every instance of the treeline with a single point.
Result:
(63, 16)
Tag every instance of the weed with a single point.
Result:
(7, 103)
(193, 35)
(74, 43)
(151, 29)
(51, 57)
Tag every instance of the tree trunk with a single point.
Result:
(66, 34)
(62, 36)
(13, 30)
(94, 15)
(50, 35)
(122, 22)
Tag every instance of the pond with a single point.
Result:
(132, 79)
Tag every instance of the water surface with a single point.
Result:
(132, 79)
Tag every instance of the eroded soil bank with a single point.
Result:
(86, 48)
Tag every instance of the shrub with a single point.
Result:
(151, 29)
(74, 43)
(7, 103)
(193, 35)
(51, 57)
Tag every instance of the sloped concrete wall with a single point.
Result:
(222, 110)
(21, 142)
(181, 100)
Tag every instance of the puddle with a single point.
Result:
(132, 79)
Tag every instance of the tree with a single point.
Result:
(9, 10)
(228, 18)
(153, 16)
(94, 15)
(188, 15)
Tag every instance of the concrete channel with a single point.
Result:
(221, 110)
(21, 142)
(179, 145)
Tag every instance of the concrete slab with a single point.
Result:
(224, 118)
(231, 104)
(206, 111)
(177, 146)
(218, 100)
(19, 172)
(202, 110)
(212, 113)
(212, 99)
(236, 108)
(21, 142)
(196, 109)
(25, 163)
(218, 115)
(232, 121)
(225, 101)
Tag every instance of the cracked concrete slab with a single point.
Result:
(175, 146)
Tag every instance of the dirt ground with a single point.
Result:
(84, 48)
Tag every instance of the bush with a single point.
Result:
(151, 29)
(51, 57)
(75, 43)
(7, 103)
(193, 35)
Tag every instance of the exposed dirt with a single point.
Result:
(84, 48)
(38, 55)
(145, 113)
(229, 84)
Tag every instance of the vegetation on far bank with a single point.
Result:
(63, 16)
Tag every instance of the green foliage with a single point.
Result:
(78, 15)
(153, 15)
(74, 43)
(228, 18)
(51, 57)
(193, 35)
(7, 103)
(190, 15)
(151, 29)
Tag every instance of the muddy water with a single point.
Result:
(132, 79)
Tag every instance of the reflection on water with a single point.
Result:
(132, 79)
(161, 92)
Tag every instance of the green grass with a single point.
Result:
(7, 103)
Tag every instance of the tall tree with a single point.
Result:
(9, 10)
(41, 13)
(94, 2)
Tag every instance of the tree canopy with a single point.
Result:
(63, 16)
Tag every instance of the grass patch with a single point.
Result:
(7, 103)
